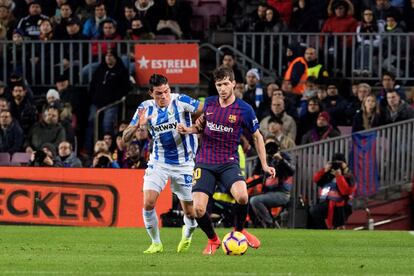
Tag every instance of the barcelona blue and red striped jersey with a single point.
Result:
(223, 129)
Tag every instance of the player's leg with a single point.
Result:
(151, 221)
(181, 185)
(190, 224)
(204, 222)
(154, 183)
(239, 192)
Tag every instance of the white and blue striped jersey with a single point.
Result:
(170, 147)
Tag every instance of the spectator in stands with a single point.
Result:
(48, 130)
(174, 18)
(4, 103)
(21, 108)
(290, 107)
(7, 19)
(109, 140)
(306, 15)
(249, 21)
(253, 91)
(276, 191)
(397, 110)
(29, 24)
(11, 134)
(272, 22)
(4, 92)
(119, 154)
(125, 23)
(308, 118)
(147, 12)
(134, 159)
(68, 94)
(102, 157)
(91, 27)
(61, 20)
(275, 129)
(336, 105)
(336, 186)
(284, 8)
(45, 157)
(144, 142)
(105, 41)
(393, 45)
(67, 156)
(382, 8)
(355, 103)
(15, 52)
(368, 116)
(322, 131)
(110, 83)
(389, 83)
(368, 37)
(278, 111)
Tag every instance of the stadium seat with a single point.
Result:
(4, 159)
(22, 158)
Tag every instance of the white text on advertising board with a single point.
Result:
(171, 66)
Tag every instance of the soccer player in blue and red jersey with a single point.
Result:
(217, 161)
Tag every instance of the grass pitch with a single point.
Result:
(106, 251)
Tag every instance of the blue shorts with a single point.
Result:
(206, 177)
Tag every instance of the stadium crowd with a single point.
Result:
(304, 105)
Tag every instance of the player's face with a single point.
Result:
(162, 95)
(225, 88)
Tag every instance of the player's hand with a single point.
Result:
(143, 120)
(200, 122)
(270, 171)
(182, 129)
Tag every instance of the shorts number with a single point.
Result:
(197, 174)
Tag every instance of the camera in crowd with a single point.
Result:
(39, 157)
(271, 147)
(336, 165)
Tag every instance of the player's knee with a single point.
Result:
(199, 211)
(243, 199)
(189, 214)
(149, 205)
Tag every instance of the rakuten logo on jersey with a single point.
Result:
(164, 127)
(215, 127)
(171, 66)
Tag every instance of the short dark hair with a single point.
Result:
(157, 80)
(19, 83)
(222, 72)
(275, 120)
(389, 74)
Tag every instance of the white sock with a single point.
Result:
(151, 224)
(190, 226)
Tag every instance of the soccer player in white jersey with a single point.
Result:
(172, 155)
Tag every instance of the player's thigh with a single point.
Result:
(182, 183)
(155, 178)
(204, 180)
(233, 181)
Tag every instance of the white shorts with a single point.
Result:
(157, 174)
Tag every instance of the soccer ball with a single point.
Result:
(234, 243)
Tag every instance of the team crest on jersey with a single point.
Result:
(232, 118)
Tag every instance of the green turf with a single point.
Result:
(66, 250)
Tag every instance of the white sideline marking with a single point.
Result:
(411, 232)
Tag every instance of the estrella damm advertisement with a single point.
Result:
(179, 62)
(74, 197)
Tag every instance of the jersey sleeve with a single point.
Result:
(135, 118)
(250, 120)
(188, 104)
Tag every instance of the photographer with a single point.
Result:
(46, 157)
(276, 191)
(336, 185)
(102, 156)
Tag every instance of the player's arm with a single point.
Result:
(261, 151)
(198, 112)
(129, 133)
(142, 122)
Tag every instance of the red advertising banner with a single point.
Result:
(178, 62)
(74, 197)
